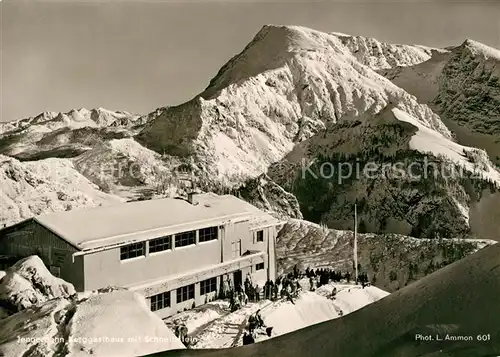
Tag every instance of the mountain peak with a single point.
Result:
(269, 49)
(480, 48)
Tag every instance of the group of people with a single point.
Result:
(363, 280)
(286, 287)
(322, 276)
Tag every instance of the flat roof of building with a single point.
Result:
(93, 228)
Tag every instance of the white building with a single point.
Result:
(173, 251)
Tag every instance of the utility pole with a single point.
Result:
(356, 242)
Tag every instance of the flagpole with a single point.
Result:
(356, 242)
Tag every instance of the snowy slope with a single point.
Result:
(122, 165)
(315, 307)
(265, 194)
(117, 323)
(32, 188)
(379, 55)
(213, 325)
(406, 178)
(437, 304)
(462, 86)
(391, 261)
(121, 315)
(426, 140)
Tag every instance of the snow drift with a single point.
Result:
(28, 282)
(47, 318)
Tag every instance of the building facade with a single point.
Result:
(175, 252)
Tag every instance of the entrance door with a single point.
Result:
(237, 278)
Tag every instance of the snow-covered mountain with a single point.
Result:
(52, 134)
(293, 97)
(406, 178)
(462, 85)
(287, 85)
(293, 93)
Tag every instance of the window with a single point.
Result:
(207, 234)
(236, 249)
(260, 236)
(132, 250)
(185, 238)
(259, 266)
(185, 293)
(160, 244)
(160, 301)
(208, 286)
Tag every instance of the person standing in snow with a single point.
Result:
(252, 323)
(288, 294)
(249, 278)
(364, 280)
(234, 303)
(257, 292)
(293, 288)
(260, 321)
(270, 290)
(240, 294)
(311, 283)
(297, 286)
(181, 332)
(275, 292)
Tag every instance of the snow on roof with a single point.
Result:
(93, 228)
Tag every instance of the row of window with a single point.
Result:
(161, 301)
(165, 243)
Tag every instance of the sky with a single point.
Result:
(140, 55)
